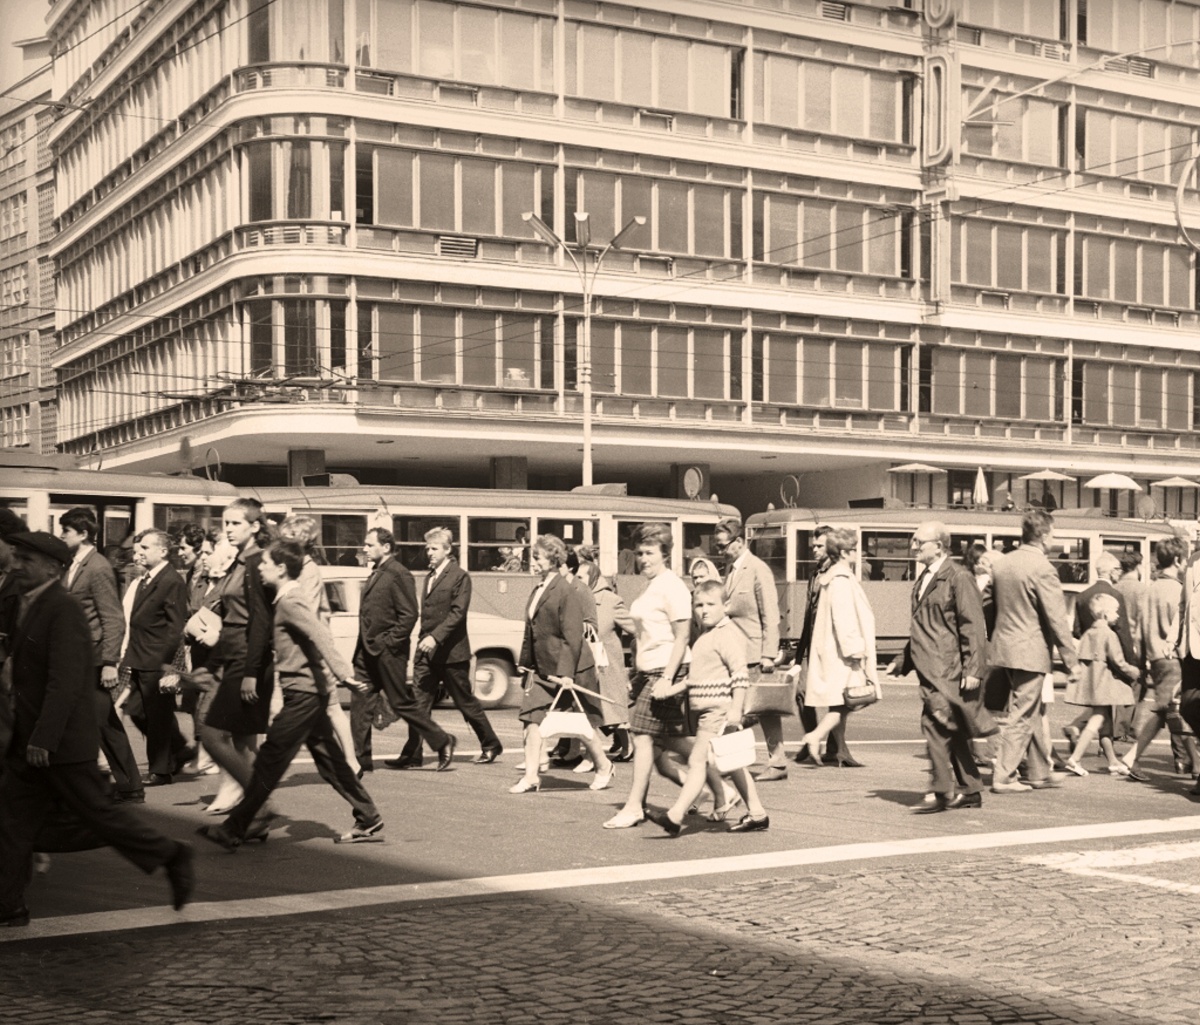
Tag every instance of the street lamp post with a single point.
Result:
(583, 233)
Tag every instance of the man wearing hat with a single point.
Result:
(56, 738)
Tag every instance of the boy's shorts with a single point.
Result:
(709, 721)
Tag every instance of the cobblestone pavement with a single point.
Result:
(960, 940)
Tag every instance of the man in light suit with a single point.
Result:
(55, 738)
(387, 613)
(93, 582)
(444, 650)
(1031, 618)
(946, 648)
(156, 619)
(753, 605)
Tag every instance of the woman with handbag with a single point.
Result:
(842, 673)
(555, 657)
(611, 616)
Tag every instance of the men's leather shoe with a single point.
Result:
(221, 836)
(770, 775)
(182, 875)
(446, 753)
(405, 763)
(939, 804)
(749, 824)
(1014, 787)
(15, 918)
(961, 800)
(157, 779)
(130, 797)
(488, 755)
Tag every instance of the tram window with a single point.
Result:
(1120, 545)
(697, 541)
(573, 533)
(627, 531)
(335, 594)
(1005, 542)
(960, 543)
(497, 545)
(806, 560)
(409, 532)
(342, 538)
(887, 555)
(1071, 557)
(772, 549)
(172, 517)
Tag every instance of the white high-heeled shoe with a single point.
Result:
(604, 780)
(525, 786)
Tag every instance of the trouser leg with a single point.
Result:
(456, 678)
(335, 770)
(391, 676)
(361, 724)
(1025, 705)
(114, 742)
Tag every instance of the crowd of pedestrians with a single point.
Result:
(233, 628)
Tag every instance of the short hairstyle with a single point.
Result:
(385, 537)
(1130, 560)
(974, 553)
(553, 548)
(731, 527)
(1169, 549)
(656, 534)
(250, 508)
(586, 554)
(301, 529)
(10, 523)
(822, 530)
(439, 536)
(840, 540)
(191, 534)
(162, 538)
(1035, 525)
(710, 586)
(289, 555)
(1102, 603)
(1106, 562)
(82, 520)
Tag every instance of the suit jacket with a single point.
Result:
(260, 612)
(553, 644)
(1084, 618)
(54, 680)
(752, 603)
(1031, 614)
(95, 587)
(387, 611)
(947, 637)
(444, 615)
(156, 619)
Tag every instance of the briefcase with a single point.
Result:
(772, 692)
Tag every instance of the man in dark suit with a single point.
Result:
(946, 648)
(444, 650)
(1031, 618)
(56, 738)
(387, 613)
(93, 583)
(156, 619)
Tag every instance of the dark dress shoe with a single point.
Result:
(130, 797)
(664, 822)
(960, 800)
(221, 836)
(157, 779)
(405, 762)
(446, 753)
(15, 918)
(749, 824)
(181, 873)
(487, 755)
(944, 803)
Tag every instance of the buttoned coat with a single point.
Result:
(752, 602)
(54, 680)
(387, 610)
(947, 638)
(843, 629)
(444, 615)
(554, 642)
(94, 586)
(156, 619)
(1031, 614)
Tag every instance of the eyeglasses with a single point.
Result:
(722, 545)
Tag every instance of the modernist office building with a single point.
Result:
(291, 234)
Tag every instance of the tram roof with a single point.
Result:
(1068, 519)
(114, 484)
(485, 500)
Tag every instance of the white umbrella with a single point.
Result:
(1176, 482)
(916, 468)
(1047, 475)
(980, 493)
(1114, 482)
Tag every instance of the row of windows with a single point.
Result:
(12, 142)
(14, 426)
(14, 286)
(12, 215)
(14, 355)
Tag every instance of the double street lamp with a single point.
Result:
(587, 282)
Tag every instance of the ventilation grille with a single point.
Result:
(835, 11)
(452, 245)
(1137, 66)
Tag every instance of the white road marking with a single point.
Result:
(533, 882)
(1102, 864)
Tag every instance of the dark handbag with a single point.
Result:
(771, 693)
(859, 694)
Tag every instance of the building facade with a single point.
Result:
(291, 237)
(27, 298)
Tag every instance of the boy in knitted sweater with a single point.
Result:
(716, 686)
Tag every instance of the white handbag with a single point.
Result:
(566, 724)
(733, 750)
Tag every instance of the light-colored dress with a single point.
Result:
(611, 615)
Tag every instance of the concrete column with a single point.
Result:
(511, 472)
(304, 462)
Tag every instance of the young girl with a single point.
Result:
(716, 690)
(1104, 683)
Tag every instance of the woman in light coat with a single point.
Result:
(612, 619)
(843, 640)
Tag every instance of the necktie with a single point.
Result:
(919, 587)
(430, 581)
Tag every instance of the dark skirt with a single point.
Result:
(657, 717)
(540, 692)
(228, 712)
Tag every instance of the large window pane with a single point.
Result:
(1095, 393)
(258, 169)
(519, 194)
(637, 69)
(977, 398)
(261, 343)
(672, 217)
(848, 220)
(436, 39)
(672, 361)
(439, 335)
(479, 196)
(395, 187)
(1150, 398)
(818, 88)
(848, 367)
(709, 364)
(884, 91)
(946, 380)
(1179, 400)
(299, 197)
(599, 202)
(1008, 256)
(1152, 275)
(1179, 265)
(850, 96)
(1039, 248)
(1124, 411)
(816, 391)
(783, 238)
(710, 220)
(519, 340)
(819, 239)
(395, 342)
(393, 38)
(881, 377)
(635, 359)
(518, 50)
(783, 91)
(604, 356)
(711, 88)
(1008, 386)
(477, 32)
(299, 336)
(1125, 265)
(636, 201)
(479, 347)
(671, 65)
(979, 253)
(437, 191)
(1096, 259)
(1039, 390)
(598, 60)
